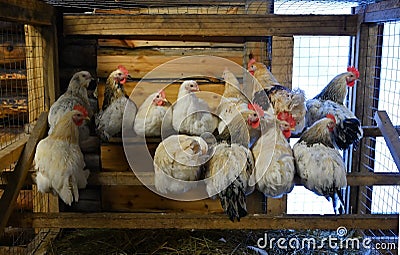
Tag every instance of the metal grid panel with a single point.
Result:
(13, 85)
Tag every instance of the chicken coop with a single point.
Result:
(303, 43)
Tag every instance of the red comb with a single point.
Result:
(286, 116)
(82, 109)
(331, 116)
(123, 69)
(162, 93)
(256, 108)
(354, 71)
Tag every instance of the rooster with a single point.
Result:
(191, 115)
(75, 94)
(281, 98)
(114, 85)
(151, 114)
(336, 89)
(319, 164)
(228, 173)
(274, 167)
(109, 120)
(58, 160)
(348, 129)
(178, 163)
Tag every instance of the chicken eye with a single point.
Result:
(83, 75)
(191, 85)
(157, 96)
(255, 114)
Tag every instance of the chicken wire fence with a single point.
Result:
(21, 102)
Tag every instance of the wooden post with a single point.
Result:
(35, 71)
(367, 55)
(24, 163)
(282, 59)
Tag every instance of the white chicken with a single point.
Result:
(109, 120)
(228, 174)
(319, 165)
(58, 160)
(151, 114)
(75, 94)
(192, 115)
(178, 163)
(274, 163)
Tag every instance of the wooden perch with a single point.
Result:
(390, 134)
(20, 172)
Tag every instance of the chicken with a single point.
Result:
(348, 130)
(114, 86)
(274, 162)
(228, 174)
(336, 89)
(192, 115)
(178, 163)
(109, 120)
(244, 127)
(151, 114)
(75, 94)
(281, 98)
(239, 120)
(58, 160)
(319, 164)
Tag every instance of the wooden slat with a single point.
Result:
(33, 12)
(10, 154)
(371, 131)
(140, 62)
(11, 192)
(202, 221)
(390, 134)
(209, 25)
(134, 44)
(128, 178)
(380, 12)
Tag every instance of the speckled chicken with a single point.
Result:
(191, 114)
(75, 94)
(178, 163)
(58, 160)
(330, 100)
(228, 175)
(281, 99)
(109, 120)
(319, 165)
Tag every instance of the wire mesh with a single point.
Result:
(21, 102)
(13, 85)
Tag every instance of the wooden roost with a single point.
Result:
(141, 42)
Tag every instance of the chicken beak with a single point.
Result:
(87, 118)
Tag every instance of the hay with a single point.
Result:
(173, 241)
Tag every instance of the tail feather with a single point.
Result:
(233, 201)
(348, 132)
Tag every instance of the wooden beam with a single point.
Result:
(10, 154)
(380, 12)
(128, 178)
(32, 12)
(201, 221)
(7, 201)
(390, 134)
(209, 25)
(372, 131)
